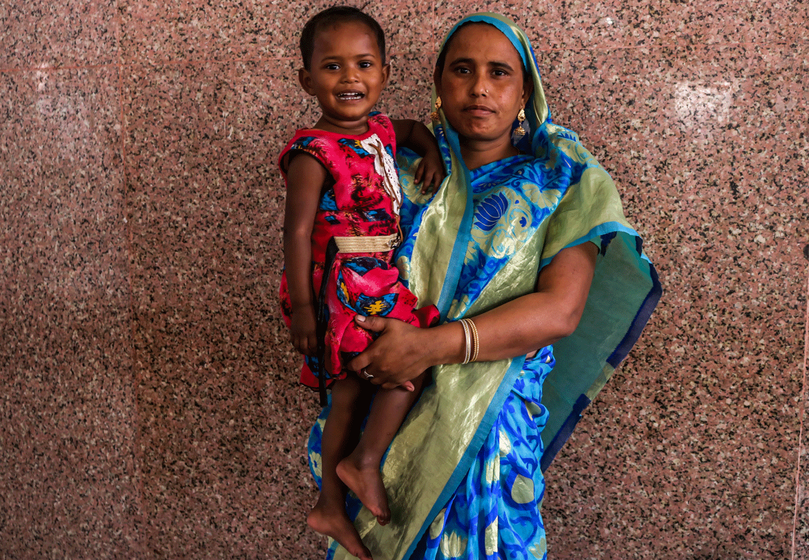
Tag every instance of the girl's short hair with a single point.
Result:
(333, 16)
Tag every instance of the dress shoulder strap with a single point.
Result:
(319, 146)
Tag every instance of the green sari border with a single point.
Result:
(462, 468)
(463, 236)
(599, 230)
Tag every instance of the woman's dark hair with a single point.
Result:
(333, 16)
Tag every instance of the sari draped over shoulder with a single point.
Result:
(464, 473)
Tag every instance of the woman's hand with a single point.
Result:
(401, 353)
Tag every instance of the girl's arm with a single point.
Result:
(305, 178)
(414, 135)
(512, 329)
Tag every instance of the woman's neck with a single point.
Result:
(477, 153)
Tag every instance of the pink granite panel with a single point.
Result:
(408, 26)
(409, 36)
(41, 33)
(690, 451)
(223, 423)
(683, 23)
(407, 95)
(535, 17)
(672, 23)
(198, 30)
(584, 25)
(775, 21)
(68, 483)
(150, 405)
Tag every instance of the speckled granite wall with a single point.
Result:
(149, 406)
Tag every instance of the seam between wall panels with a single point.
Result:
(801, 420)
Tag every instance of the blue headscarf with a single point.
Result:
(536, 110)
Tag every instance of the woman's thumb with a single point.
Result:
(370, 323)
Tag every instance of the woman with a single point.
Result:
(515, 239)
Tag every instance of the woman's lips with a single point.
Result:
(478, 110)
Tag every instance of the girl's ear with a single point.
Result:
(385, 74)
(305, 79)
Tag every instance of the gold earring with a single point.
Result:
(434, 115)
(519, 132)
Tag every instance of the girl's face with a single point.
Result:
(481, 86)
(346, 75)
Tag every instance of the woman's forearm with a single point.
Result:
(529, 322)
(522, 326)
(504, 332)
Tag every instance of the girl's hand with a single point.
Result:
(430, 172)
(304, 330)
(399, 354)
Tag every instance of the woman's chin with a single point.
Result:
(483, 134)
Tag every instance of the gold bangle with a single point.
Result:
(470, 331)
(475, 341)
(467, 337)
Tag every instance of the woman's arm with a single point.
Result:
(514, 328)
(305, 178)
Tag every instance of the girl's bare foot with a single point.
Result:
(366, 482)
(331, 520)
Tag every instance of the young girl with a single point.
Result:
(340, 229)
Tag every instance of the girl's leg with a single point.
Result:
(349, 401)
(360, 470)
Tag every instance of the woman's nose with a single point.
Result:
(480, 85)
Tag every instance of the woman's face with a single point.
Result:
(481, 86)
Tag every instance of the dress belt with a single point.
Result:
(369, 244)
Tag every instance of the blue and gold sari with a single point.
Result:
(464, 473)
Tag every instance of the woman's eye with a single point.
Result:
(461, 70)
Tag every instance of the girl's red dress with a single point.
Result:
(362, 199)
